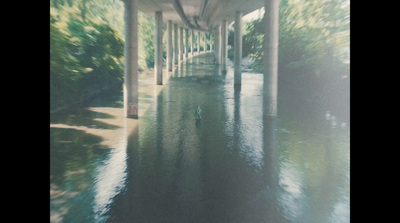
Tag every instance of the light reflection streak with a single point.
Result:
(110, 178)
(250, 115)
(341, 211)
(242, 105)
(291, 184)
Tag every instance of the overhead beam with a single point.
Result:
(178, 8)
(195, 22)
(203, 9)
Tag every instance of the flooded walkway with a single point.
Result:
(168, 167)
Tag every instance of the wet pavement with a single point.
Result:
(232, 166)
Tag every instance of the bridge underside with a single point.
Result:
(201, 15)
(202, 18)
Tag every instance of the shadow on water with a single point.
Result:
(83, 117)
(70, 148)
(71, 166)
(79, 160)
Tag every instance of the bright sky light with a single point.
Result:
(258, 13)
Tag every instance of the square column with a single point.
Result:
(192, 43)
(186, 42)
(205, 44)
(211, 45)
(238, 49)
(158, 55)
(198, 42)
(180, 43)
(271, 38)
(176, 49)
(224, 44)
(130, 85)
(169, 46)
(217, 40)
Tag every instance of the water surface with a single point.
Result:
(232, 166)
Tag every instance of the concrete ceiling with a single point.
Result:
(199, 14)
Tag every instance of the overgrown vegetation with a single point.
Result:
(87, 36)
(313, 53)
(87, 48)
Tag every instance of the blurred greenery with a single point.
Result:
(87, 48)
(314, 51)
(87, 52)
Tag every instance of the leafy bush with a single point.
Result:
(86, 55)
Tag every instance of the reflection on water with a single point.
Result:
(85, 176)
(109, 178)
(235, 165)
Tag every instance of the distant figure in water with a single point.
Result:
(198, 113)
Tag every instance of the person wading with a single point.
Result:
(198, 113)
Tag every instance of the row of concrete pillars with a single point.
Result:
(221, 42)
(175, 52)
(220, 33)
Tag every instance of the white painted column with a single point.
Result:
(211, 43)
(180, 43)
(192, 43)
(198, 42)
(158, 53)
(224, 44)
(271, 41)
(238, 49)
(176, 48)
(217, 40)
(186, 42)
(205, 44)
(130, 86)
(169, 46)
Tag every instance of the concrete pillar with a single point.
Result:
(169, 46)
(198, 42)
(224, 44)
(271, 36)
(158, 53)
(130, 87)
(180, 43)
(211, 43)
(238, 49)
(186, 42)
(176, 49)
(205, 44)
(217, 40)
(192, 43)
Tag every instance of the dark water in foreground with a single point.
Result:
(229, 167)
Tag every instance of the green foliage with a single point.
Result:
(87, 48)
(65, 71)
(146, 41)
(313, 48)
(253, 40)
(313, 35)
(86, 54)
